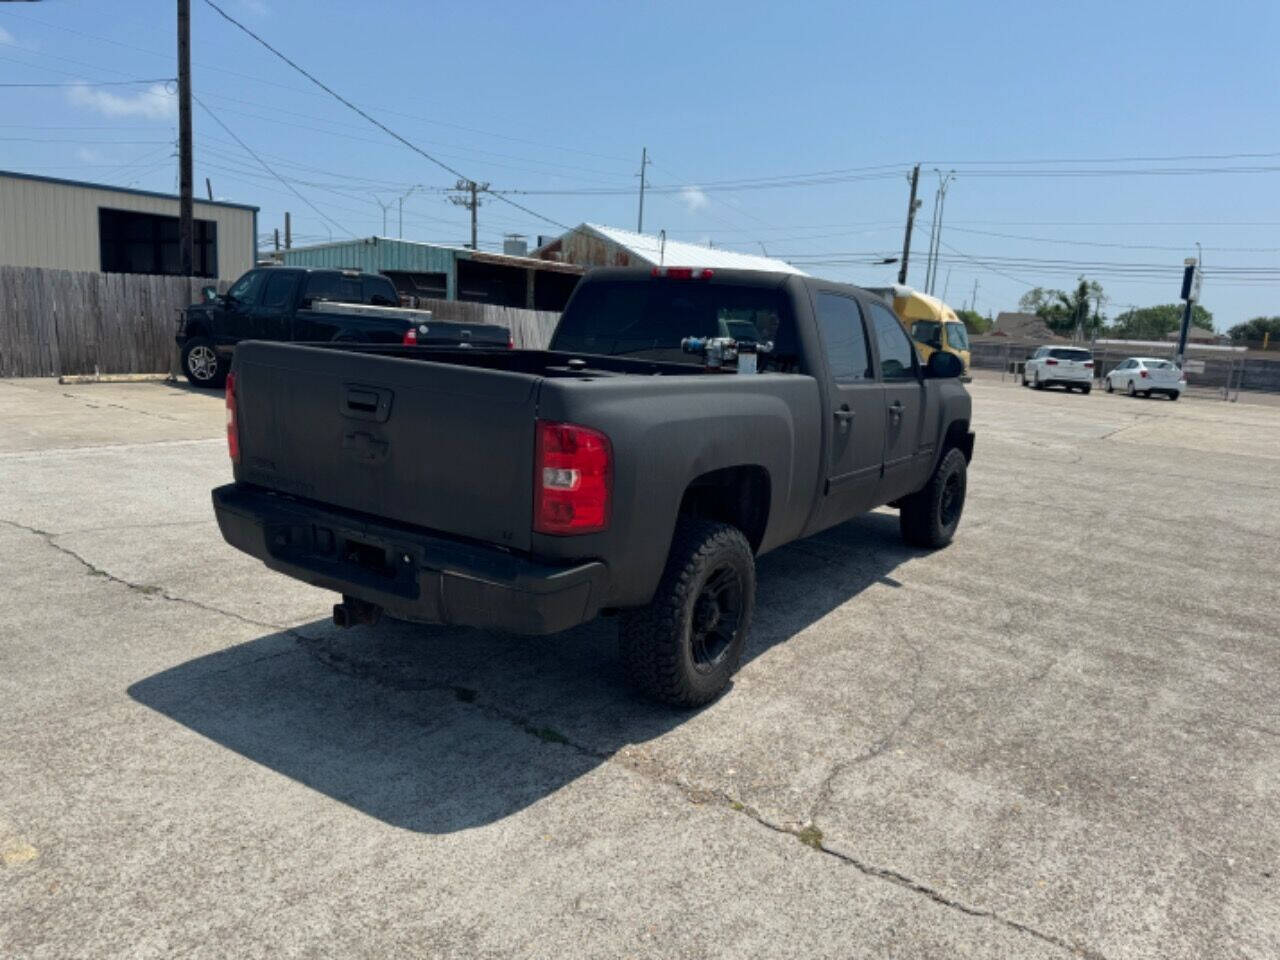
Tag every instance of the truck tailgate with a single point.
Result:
(444, 447)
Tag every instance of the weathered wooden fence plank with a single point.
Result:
(55, 322)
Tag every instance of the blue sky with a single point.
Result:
(562, 97)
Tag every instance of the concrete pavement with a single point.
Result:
(1056, 737)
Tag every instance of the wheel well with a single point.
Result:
(733, 495)
(197, 329)
(958, 436)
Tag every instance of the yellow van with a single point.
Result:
(929, 322)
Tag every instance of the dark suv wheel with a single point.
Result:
(202, 364)
(684, 647)
(929, 517)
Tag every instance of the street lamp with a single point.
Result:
(403, 198)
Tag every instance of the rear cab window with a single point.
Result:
(334, 286)
(380, 292)
(646, 318)
(1069, 353)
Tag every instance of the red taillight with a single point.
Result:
(682, 273)
(1143, 374)
(571, 479)
(233, 429)
(1088, 363)
(410, 337)
(511, 344)
(1051, 363)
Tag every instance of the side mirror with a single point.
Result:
(943, 366)
(210, 294)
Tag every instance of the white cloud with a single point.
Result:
(694, 199)
(7, 39)
(88, 155)
(257, 7)
(154, 103)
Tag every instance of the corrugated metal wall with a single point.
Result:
(55, 225)
(376, 254)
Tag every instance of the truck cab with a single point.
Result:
(931, 324)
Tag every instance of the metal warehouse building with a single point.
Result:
(439, 272)
(69, 225)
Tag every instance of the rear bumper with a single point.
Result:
(408, 573)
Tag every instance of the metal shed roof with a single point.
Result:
(651, 249)
(388, 253)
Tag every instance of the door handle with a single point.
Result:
(844, 416)
(895, 409)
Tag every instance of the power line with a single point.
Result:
(91, 83)
(267, 168)
(377, 123)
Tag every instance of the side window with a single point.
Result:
(246, 289)
(897, 356)
(380, 292)
(844, 336)
(280, 288)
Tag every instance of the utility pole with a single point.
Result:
(912, 205)
(1190, 293)
(186, 225)
(403, 197)
(288, 232)
(973, 303)
(471, 202)
(385, 207)
(933, 232)
(644, 162)
(277, 239)
(208, 185)
(944, 180)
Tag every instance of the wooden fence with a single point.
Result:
(56, 322)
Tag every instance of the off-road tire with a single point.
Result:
(656, 642)
(922, 519)
(196, 372)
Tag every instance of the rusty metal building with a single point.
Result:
(438, 272)
(592, 245)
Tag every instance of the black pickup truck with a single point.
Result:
(309, 305)
(614, 473)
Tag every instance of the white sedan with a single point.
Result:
(1143, 376)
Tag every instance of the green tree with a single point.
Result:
(1064, 311)
(1256, 329)
(974, 322)
(1155, 323)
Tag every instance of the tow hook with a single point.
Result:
(353, 611)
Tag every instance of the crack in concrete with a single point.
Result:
(145, 589)
(638, 763)
(878, 747)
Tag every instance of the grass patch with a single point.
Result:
(810, 836)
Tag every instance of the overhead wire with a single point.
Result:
(265, 166)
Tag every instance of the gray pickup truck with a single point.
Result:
(614, 473)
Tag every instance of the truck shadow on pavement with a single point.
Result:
(439, 729)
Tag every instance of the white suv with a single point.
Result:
(1070, 367)
(1145, 376)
